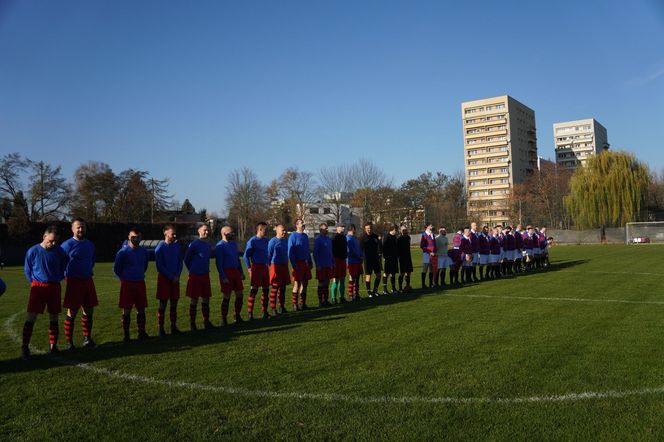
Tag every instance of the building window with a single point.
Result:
(313, 210)
(327, 210)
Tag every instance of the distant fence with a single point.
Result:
(611, 235)
(107, 238)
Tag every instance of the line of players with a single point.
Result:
(493, 252)
(47, 264)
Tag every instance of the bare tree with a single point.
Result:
(96, 187)
(365, 174)
(335, 183)
(50, 192)
(12, 166)
(160, 199)
(455, 198)
(298, 189)
(245, 199)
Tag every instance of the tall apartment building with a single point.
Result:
(500, 150)
(578, 140)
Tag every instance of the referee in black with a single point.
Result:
(371, 246)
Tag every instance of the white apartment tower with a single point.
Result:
(500, 150)
(578, 140)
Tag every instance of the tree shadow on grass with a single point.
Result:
(190, 340)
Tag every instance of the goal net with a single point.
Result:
(644, 233)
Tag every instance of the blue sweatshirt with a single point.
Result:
(169, 259)
(323, 251)
(298, 248)
(256, 251)
(81, 258)
(227, 257)
(131, 263)
(354, 251)
(45, 265)
(197, 258)
(277, 251)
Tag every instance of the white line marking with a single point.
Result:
(334, 397)
(536, 298)
(610, 273)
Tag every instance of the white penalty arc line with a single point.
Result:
(335, 397)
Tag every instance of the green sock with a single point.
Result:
(342, 288)
(334, 290)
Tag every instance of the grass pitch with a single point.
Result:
(574, 352)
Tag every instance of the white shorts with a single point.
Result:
(426, 258)
(518, 254)
(545, 250)
(484, 259)
(476, 258)
(537, 251)
(528, 252)
(444, 261)
(494, 259)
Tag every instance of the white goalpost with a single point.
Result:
(644, 233)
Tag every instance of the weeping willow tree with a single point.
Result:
(608, 191)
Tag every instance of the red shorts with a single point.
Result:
(259, 275)
(167, 290)
(198, 286)
(234, 277)
(80, 293)
(302, 272)
(279, 274)
(45, 295)
(133, 294)
(323, 273)
(339, 268)
(355, 270)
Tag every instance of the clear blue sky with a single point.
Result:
(192, 90)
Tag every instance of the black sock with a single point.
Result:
(408, 280)
(376, 283)
(424, 279)
(393, 282)
(400, 281)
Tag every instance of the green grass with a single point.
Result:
(479, 341)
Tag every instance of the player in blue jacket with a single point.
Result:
(324, 264)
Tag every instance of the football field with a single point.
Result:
(575, 351)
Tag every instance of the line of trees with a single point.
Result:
(362, 185)
(613, 188)
(35, 191)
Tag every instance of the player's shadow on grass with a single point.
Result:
(189, 340)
